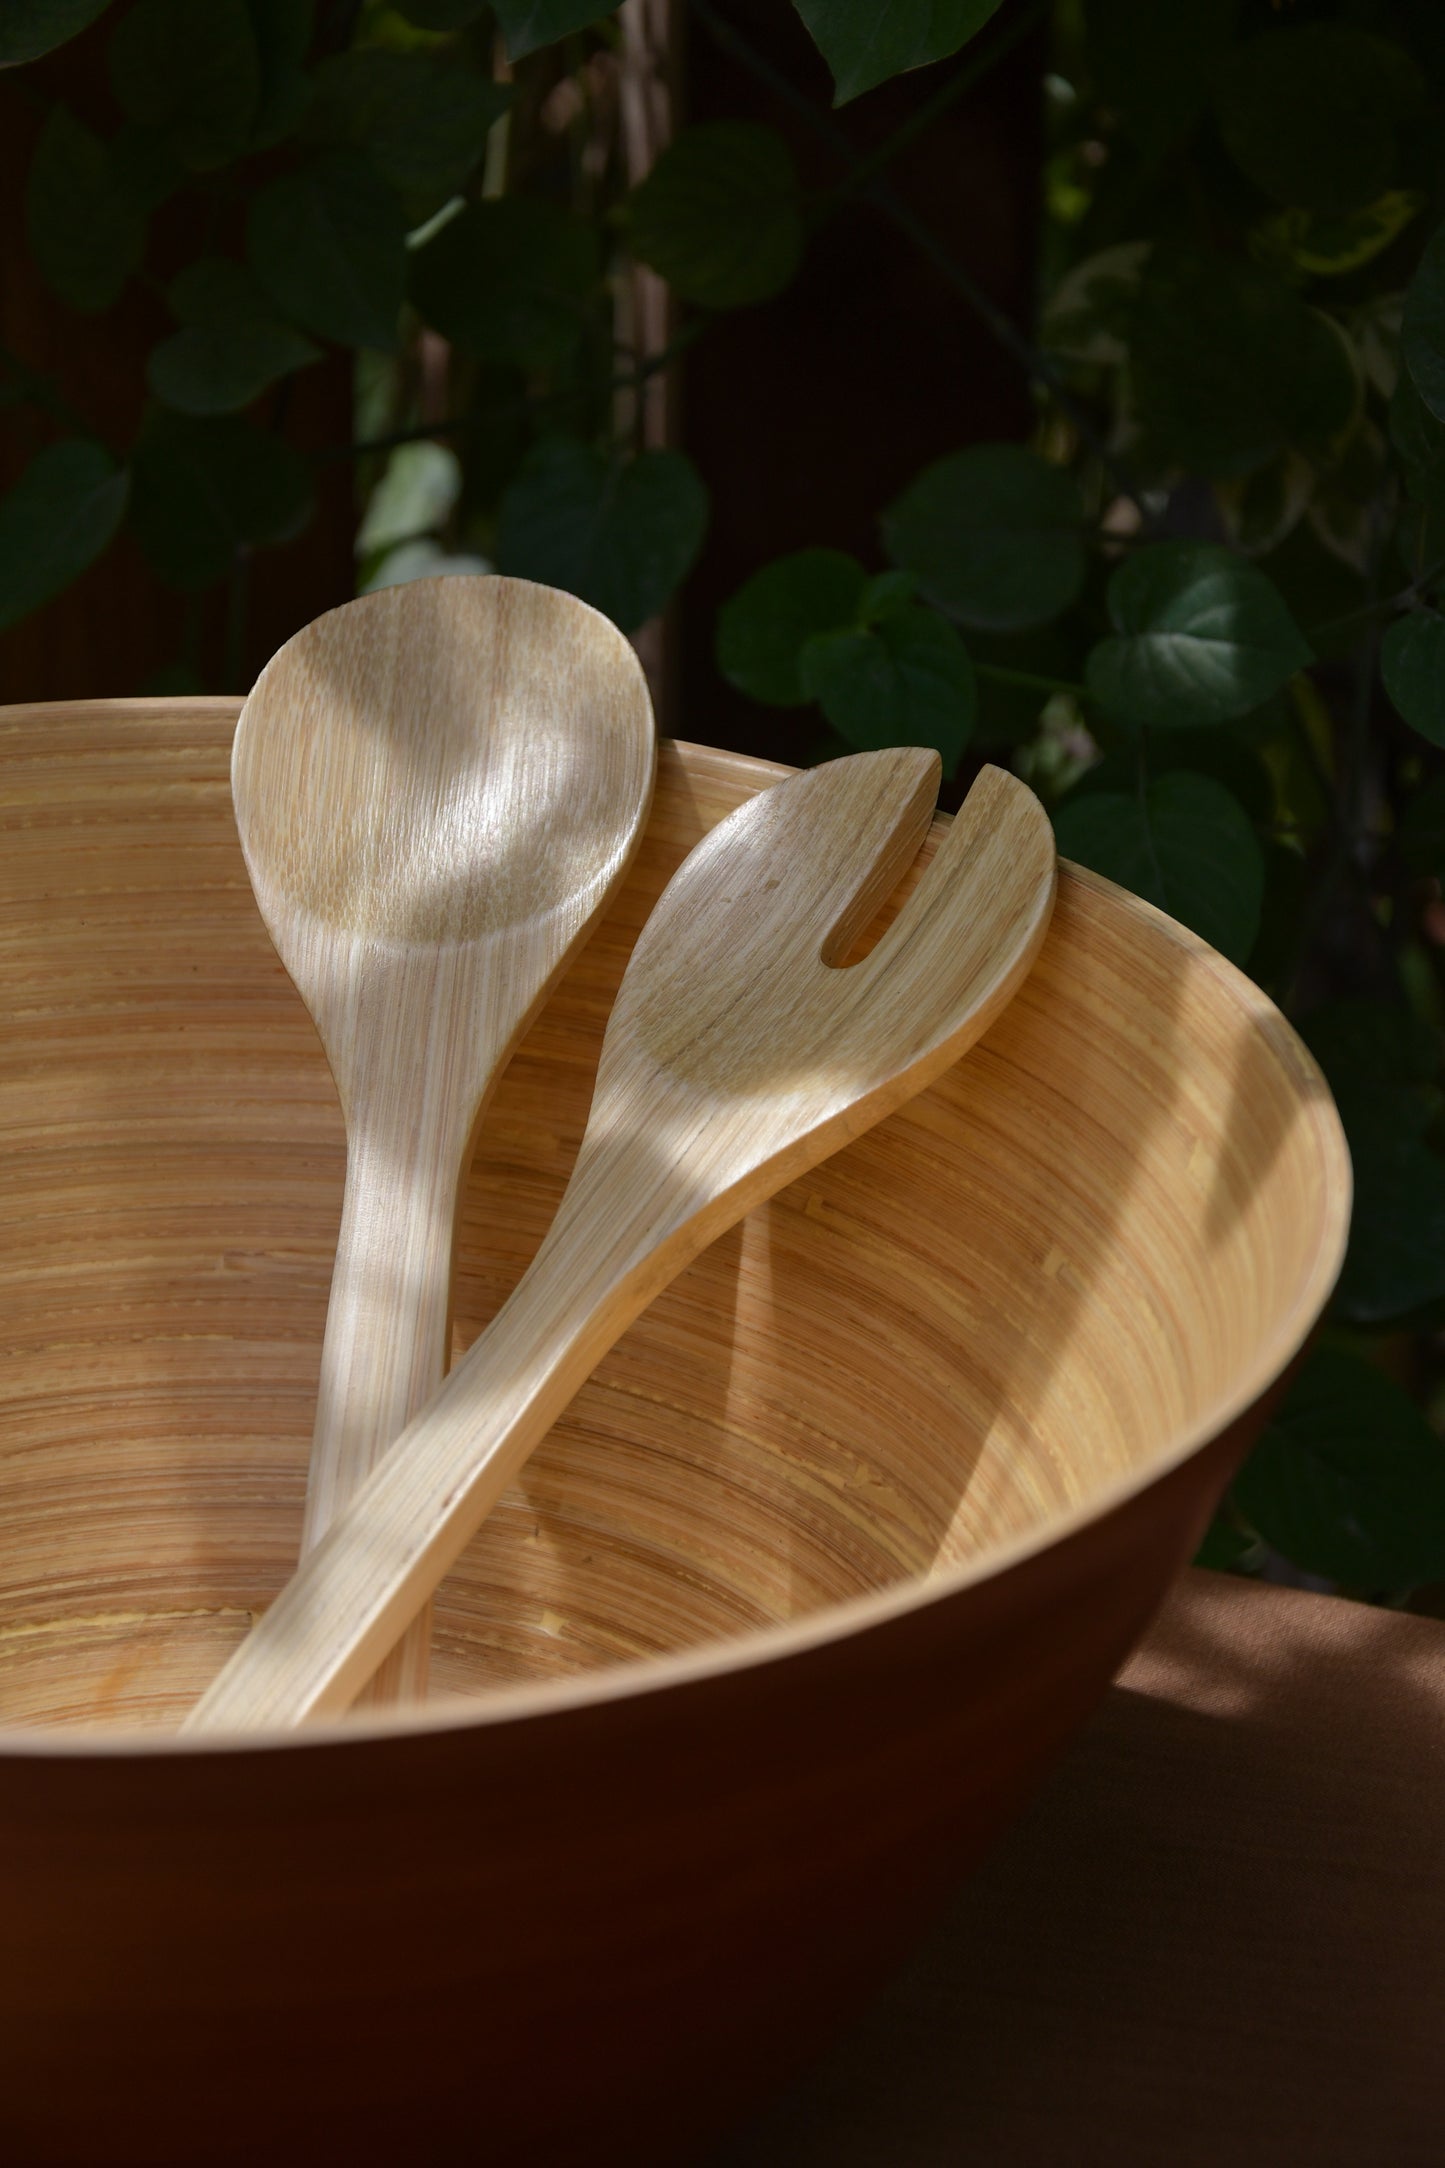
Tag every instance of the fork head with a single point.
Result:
(734, 988)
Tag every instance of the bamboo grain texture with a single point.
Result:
(1028, 1286)
(438, 788)
(738, 1054)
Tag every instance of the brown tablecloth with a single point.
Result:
(1218, 1936)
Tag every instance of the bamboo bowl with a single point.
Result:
(841, 1542)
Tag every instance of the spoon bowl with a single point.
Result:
(437, 789)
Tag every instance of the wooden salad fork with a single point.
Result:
(438, 788)
(738, 1054)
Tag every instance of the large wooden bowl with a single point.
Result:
(840, 1543)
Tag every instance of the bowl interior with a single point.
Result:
(1049, 1277)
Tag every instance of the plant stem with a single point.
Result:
(1029, 680)
(1366, 615)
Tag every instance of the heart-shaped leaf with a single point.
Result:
(29, 28)
(764, 628)
(510, 280)
(193, 72)
(1422, 333)
(57, 519)
(203, 488)
(1310, 113)
(1201, 636)
(423, 122)
(328, 243)
(85, 228)
(1348, 1481)
(231, 344)
(719, 215)
(994, 534)
(905, 681)
(865, 43)
(1183, 844)
(1412, 663)
(622, 535)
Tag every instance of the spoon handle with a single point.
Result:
(388, 1332)
(626, 1226)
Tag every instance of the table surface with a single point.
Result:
(1217, 1935)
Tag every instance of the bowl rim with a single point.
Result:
(852, 1615)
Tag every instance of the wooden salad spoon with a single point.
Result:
(438, 787)
(737, 1055)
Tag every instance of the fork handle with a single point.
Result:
(627, 1224)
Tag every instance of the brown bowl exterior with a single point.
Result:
(843, 1540)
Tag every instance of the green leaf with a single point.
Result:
(1422, 828)
(1210, 751)
(422, 121)
(1348, 1481)
(205, 488)
(1422, 335)
(510, 280)
(1200, 636)
(29, 28)
(995, 535)
(232, 344)
(57, 520)
(864, 43)
(763, 629)
(1419, 438)
(719, 216)
(528, 24)
(1183, 844)
(1412, 664)
(908, 681)
(423, 559)
(282, 30)
(1374, 1045)
(1154, 65)
(1381, 1063)
(1231, 367)
(193, 71)
(85, 230)
(1310, 114)
(621, 534)
(1329, 244)
(328, 243)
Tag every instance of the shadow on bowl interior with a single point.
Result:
(832, 1553)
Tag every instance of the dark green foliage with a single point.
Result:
(994, 535)
(529, 24)
(192, 72)
(509, 280)
(1232, 366)
(1200, 636)
(422, 123)
(205, 488)
(1201, 609)
(231, 344)
(619, 533)
(719, 215)
(29, 28)
(763, 630)
(328, 243)
(1311, 114)
(56, 520)
(1349, 1479)
(1184, 844)
(865, 43)
(85, 228)
(904, 680)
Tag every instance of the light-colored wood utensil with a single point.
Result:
(437, 788)
(737, 1055)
